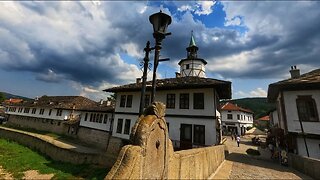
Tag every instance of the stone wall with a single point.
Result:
(92, 136)
(54, 150)
(42, 124)
(196, 163)
(308, 166)
(150, 154)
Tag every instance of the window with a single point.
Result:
(238, 116)
(59, 112)
(184, 101)
(91, 116)
(85, 117)
(129, 101)
(123, 101)
(26, 110)
(171, 100)
(50, 112)
(199, 134)
(198, 101)
(241, 117)
(229, 116)
(100, 118)
(187, 66)
(41, 111)
(127, 126)
(105, 118)
(307, 109)
(119, 126)
(146, 100)
(33, 110)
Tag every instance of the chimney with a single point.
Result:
(178, 75)
(101, 101)
(295, 73)
(138, 80)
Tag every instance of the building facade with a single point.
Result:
(191, 103)
(298, 107)
(235, 119)
(76, 116)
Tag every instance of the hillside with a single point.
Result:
(258, 105)
(8, 96)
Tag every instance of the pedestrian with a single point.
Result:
(238, 140)
(232, 135)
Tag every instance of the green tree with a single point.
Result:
(2, 97)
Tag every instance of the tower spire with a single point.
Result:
(192, 41)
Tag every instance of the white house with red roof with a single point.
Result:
(235, 119)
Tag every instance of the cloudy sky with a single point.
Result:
(81, 48)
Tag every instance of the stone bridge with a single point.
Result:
(150, 154)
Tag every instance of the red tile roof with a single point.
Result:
(232, 107)
(12, 101)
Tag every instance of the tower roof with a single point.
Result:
(192, 41)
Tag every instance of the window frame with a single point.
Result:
(230, 115)
(129, 101)
(119, 126)
(184, 101)
(171, 101)
(127, 124)
(199, 135)
(196, 103)
(123, 100)
(310, 105)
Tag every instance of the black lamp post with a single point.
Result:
(160, 22)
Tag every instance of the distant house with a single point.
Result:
(72, 115)
(262, 122)
(235, 119)
(13, 101)
(191, 101)
(298, 107)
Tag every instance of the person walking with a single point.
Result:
(232, 135)
(238, 140)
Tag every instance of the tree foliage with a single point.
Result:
(2, 97)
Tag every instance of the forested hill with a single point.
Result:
(8, 96)
(258, 105)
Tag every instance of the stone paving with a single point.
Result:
(239, 165)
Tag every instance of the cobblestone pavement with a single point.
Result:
(239, 165)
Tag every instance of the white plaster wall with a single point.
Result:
(209, 106)
(96, 125)
(174, 127)
(248, 117)
(197, 65)
(275, 119)
(175, 124)
(45, 114)
(292, 112)
(124, 117)
(313, 147)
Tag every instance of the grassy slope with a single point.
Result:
(16, 159)
(259, 106)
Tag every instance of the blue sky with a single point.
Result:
(81, 48)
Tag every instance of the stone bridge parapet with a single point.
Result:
(150, 154)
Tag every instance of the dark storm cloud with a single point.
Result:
(81, 41)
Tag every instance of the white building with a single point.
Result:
(72, 115)
(298, 107)
(235, 119)
(191, 103)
